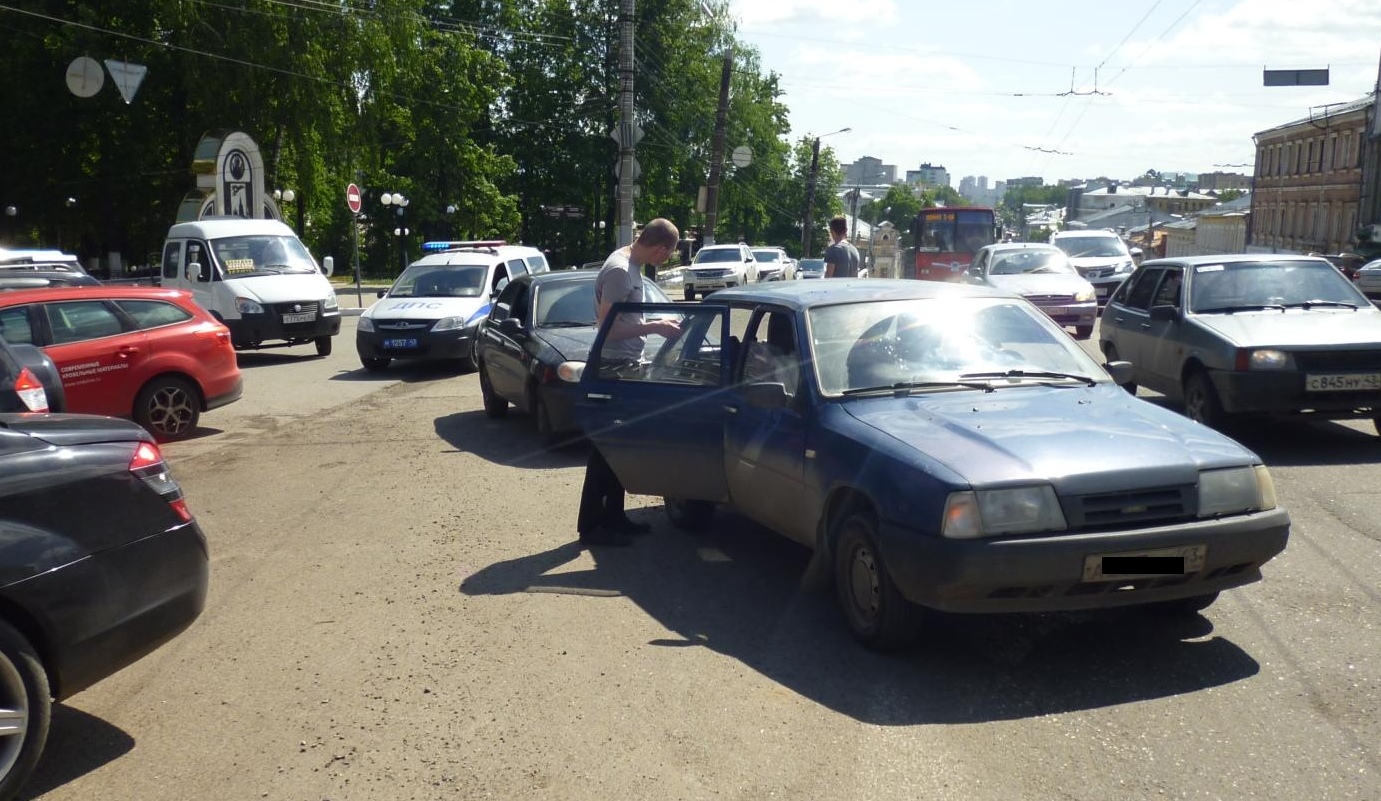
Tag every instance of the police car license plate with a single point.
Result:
(302, 317)
(1342, 382)
(400, 343)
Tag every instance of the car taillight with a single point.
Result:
(148, 465)
(30, 390)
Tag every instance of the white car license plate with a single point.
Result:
(1145, 564)
(1342, 382)
(1054, 310)
(303, 317)
(400, 343)
(1102, 291)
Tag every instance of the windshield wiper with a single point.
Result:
(1033, 374)
(903, 386)
(567, 324)
(1309, 304)
(1243, 307)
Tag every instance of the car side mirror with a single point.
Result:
(1122, 372)
(511, 326)
(381, 292)
(1163, 314)
(766, 395)
(203, 272)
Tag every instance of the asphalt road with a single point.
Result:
(399, 610)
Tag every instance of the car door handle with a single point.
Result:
(1145, 326)
(127, 351)
(731, 409)
(600, 396)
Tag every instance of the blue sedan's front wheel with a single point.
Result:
(876, 612)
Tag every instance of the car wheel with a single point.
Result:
(1110, 355)
(876, 612)
(1182, 607)
(494, 406)
(688, 515)
(168, 408)
(471, 363)
(1083, 331)
(690, 294)
(375, 365)
(542, 416)
(27, 701)
(1376, 423)
(1201, 402)
(323, 346)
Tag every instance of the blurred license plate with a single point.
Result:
(400, 343)
(1342, 382)
(1102, 290)
(1145, 564)
(304, 317)
(1054, 310)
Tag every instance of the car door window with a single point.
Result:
(153, 313)
(172, 259)
(503, 305)
(1139, 294)
(1168, 293)
(78, 321)
(771, 354)
(15, 326)
(694, 357)
(517, 267)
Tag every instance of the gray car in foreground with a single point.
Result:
(1249, 334)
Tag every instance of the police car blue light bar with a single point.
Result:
(476, 243)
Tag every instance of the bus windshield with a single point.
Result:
(947, 238)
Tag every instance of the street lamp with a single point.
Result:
(810, 189)
(399, 202)
(284, 196)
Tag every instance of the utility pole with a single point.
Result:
(810, 197)
(717, 149)
(627, 133)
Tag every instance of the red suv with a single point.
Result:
(145, 353)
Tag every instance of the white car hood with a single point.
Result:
(284, 288)
(1298, 327)
(405, 308)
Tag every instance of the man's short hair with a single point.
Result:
(839, 224)
(659, 233)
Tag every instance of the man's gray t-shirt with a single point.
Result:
(844, 256)
(618, 282)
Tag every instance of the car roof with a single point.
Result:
(1004, 246)
(810, 294)
(111, 291)
(1098, 232)
(214, 227)
(722, 247)
(1235, 258)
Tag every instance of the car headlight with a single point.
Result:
(1266, 359)
(449, 324)
(570, 372)
(1236, 490)
(365, 325)
(247, 306)
(988, 513)
(1125, 267)
(1085, 295)
(330, 302)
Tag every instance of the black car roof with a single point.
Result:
(1235, 258)
(831, 291)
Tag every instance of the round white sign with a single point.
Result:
(85, 76)
(742, 156)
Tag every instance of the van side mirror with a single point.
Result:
(328, 265)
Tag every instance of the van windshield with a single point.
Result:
(262, 254)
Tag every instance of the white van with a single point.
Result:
(255, 276)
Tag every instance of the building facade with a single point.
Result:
(870, 171)
(928, 175)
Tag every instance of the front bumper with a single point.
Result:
(281, 322)
(415, 343)
(1079, 315)
(1284, 393)
(1044, 573)
(690, 282)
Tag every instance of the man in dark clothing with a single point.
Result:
(841, 257)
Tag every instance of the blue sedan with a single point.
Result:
(939, 446)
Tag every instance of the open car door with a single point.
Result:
(657, 412)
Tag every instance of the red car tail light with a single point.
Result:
(147, 464)
(31, 391)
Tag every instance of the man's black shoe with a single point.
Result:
(605, 536)
(629, 526)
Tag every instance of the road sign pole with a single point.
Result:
(355, 202)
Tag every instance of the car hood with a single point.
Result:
(1040, 284)
(283, 288)
(1084, 440)
(1086, 262)
(426, 308)
(569, 344)
(1298, 327)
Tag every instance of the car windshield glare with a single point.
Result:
(440, 281)
(1092, 247)
(1031, 261)
(270, 253)
(935, 341)
(717, 254)
(1215, 288)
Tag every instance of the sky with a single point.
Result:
(1063, 89)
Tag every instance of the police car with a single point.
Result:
(434, 308)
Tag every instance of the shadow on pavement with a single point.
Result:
(737, 590)
(512, 441)
(78, 743)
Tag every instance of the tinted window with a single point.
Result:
(172, 259)
(1142, 288)
(153, 313)
(14, 325)
(76, 321)
(517, 267)
(1168, 294)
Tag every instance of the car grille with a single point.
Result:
(1051, 300)
(1116, 510)
(296, 307)
(1338, 360)
(1096, 272)
(711, 273)
(402, 325)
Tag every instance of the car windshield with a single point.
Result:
(1031, 260)
(571, 304)
(717, 254)
(1092, 247)
(262, 253)
(942, 343)
(808, 265)
(1248, 286)
(440, 281)
(767, 255)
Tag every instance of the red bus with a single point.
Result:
(946, 239)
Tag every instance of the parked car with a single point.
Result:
(1043, 275)
(774, 264)
(29, 380)
(1368, 279)
(534, 343)
(812, 268)
(1249, 334)
(1100, 256)
(938, 445)
(39, 259)
(433, 310)
(717, 267)
(43, 278)
(103, 563)
(146, 353)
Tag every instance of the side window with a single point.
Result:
(520, 308)
(500, 278)
(517, 267)
(1168, 294)
(197, 253)
(1139, 293)
(153, 313)
(694, 358)
(14, 325)
(172, 259)
(771, 354)
(503, 304)
(78, 321)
